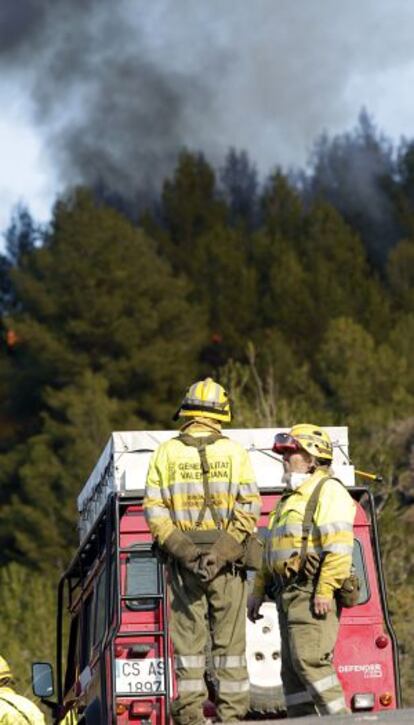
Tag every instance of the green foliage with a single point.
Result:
(283, 209)
(271, 386)
(401, 273)
(190, 208)
(97, 295)
(27, 622)
(356, 374)
(41, 522)
(105, 324)
(225, 285)
(239, 187)
(354, 171)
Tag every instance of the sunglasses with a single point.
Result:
(284, 443)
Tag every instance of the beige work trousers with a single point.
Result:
(220, 606)
(309, 679)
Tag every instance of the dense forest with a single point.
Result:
(296, 292)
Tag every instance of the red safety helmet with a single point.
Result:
(285, 443)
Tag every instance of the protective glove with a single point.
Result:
(254, 602)
(311, 565)
(180, 547)
(291, 566)
(210, 566)
(225, 550)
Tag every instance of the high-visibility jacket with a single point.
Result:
(69, 719)
(18, 710)
(331, 535)
(174, 493)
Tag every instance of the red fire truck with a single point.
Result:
(114, 655)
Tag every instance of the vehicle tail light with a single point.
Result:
(119, 651)
(381, 641)
(121, 708)
(140, 709)
(363, 701)
(386, 699)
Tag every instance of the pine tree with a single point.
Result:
(190, 207)
(27, 622)
(38, 522)
(97, 295)
(239, 188)
(400, 272)
(354, 172)
(356, 373)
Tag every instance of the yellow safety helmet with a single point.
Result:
(5, 671)
(206, 399)
(313, 439)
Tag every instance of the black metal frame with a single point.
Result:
(105, 537)
(124, 501)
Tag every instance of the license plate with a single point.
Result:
(143, 675)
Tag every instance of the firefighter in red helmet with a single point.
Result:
(308, 556)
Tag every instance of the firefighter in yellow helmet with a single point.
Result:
(306, 572)
(202, 504)
(15, 709)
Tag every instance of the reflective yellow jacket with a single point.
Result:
(18, 710)
(174, 493)
(331, 535)
(69, 719)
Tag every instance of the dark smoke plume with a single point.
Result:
(113, 112)
(118, 87)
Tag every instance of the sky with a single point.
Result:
(95, 91)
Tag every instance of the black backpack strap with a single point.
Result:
(200, 443)
(309, 514)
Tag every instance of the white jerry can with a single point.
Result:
(263, 661)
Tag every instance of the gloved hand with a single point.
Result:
(254, 602)
(182, 548)
(210, 566)
(310, 567)
(312, 564)
(225, 550)
(291, 566)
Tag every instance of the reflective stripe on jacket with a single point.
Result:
(174, 493)
(18, 710)
(331, 535)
